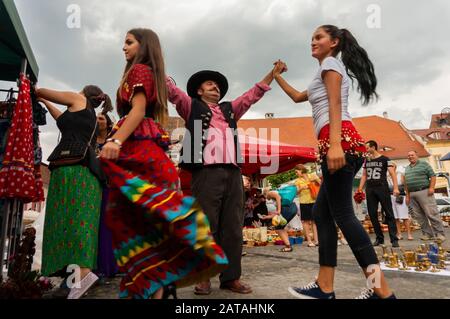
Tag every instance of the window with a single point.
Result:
(437, 162)
(435, 135)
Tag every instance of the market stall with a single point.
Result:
(20, 181)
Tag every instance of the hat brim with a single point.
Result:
(201, 77)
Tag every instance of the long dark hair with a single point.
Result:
(150, 53)
(95, 97)
(356, 61)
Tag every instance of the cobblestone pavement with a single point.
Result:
(270, 272)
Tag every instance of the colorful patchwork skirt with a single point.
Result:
(71, 220)
(159, 237)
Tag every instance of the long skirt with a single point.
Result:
(159, 237)
(71, 220)
(106, 262)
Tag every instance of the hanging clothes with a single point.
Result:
(17, 175)
(4, 128)
(39, 112)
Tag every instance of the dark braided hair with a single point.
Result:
(356, 61)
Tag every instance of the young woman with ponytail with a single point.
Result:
(75, 192)
(161, 240)
(341, 150)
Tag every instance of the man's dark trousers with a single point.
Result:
(381, 195)
(220, 192)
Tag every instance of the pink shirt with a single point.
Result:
(220, 136)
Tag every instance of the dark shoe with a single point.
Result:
(311, 291)
(370, 294)
(286, 249)
(203, 288)
(395, 244)
(236, 286)
(170, 290)
(378, 243)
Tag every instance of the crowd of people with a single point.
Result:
(118, 208)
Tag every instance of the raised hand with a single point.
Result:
(280, 67)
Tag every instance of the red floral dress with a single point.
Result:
(20, 177)
(159, 237)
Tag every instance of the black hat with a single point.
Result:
(201, 77)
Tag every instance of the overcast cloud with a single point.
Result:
(242, 39)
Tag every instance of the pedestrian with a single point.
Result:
(106, 262)
(72, 214)
(248, 202)
(401, 210)
(419, 182)
(286, 208)
(341, 149)
(160, 239)
(307, 200)
(374, 177)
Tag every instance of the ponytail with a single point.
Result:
(95, 97)
(356, 61)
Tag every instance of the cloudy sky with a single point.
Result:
(406, 40)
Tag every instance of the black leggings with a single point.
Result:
(334, 206)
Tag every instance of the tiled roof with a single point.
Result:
(436, 134)
(437, 120)
(387, 133)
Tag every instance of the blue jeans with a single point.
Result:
(334, 206)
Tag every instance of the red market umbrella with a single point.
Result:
(263, 157)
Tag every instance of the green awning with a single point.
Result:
(14, 45)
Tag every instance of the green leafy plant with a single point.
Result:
(279, 179)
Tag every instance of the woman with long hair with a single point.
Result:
(160, 238)
(75, 190)
(341, 149)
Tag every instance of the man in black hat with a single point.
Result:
(211, 152)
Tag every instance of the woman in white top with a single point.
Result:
(401, 210)
(342, 150)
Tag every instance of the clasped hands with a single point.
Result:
(279, 68)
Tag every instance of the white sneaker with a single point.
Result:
(85, 284)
